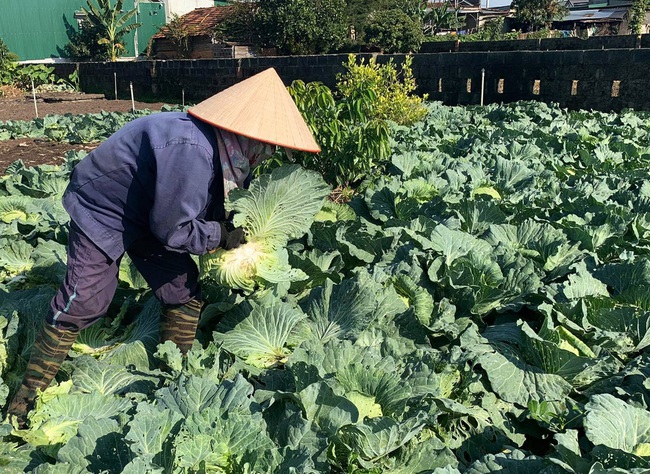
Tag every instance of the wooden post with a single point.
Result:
(482, 84)
(34, 95)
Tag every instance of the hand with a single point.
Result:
(231, 237)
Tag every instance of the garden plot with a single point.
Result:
(480, 306)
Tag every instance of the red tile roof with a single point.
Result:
(200, 20)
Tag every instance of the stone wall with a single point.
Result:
(595, 78)
(591, 79)
(198, 78)
(547, 44)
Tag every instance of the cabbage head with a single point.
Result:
(17, 208)
(276, 208)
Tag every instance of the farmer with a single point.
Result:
(155, 190)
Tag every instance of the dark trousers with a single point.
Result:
(92, 278)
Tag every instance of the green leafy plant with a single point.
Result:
(8, 64)
(180, 35)
(301, 26)
(481, 306)
(38, 74)
(493, 30)
(352, 130)
(393, 90)
(637, 14)
(84, 44)
(23, 76)
(111, 24)
(73, 80)
(442, 17)
(393, 31)
(276, 208)
(352, 142)
(239, 24)
(537, 14)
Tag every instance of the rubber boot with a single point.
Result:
(48, 352)
(178, 324)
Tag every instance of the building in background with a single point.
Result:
(587, 18)
(202, 42)
(181, 7)
(36, 30)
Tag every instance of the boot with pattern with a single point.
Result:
(48, 352)
(178, 324)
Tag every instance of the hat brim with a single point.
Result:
(309, 149)
(260, 108)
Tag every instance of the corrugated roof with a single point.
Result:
(595, 15)
(200, 21)
(575, 4)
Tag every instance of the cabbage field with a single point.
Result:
(481, 305)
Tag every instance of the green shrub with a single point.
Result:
(38, 73)
(8, 64)
(17, 75)
(351, 125)
(393, 90)
(393, 31)
(84, 44)
(353, 143)
(301, 26)
(491, 31)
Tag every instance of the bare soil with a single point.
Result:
(41, 151)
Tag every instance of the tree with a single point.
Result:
(359, 12)
(111, 24)
(179, 35)
(413, 8)
(301, 26)
(441, 18)
(637, 16)
(84, 44)
(492, 30)
(8, 63)
(393, 31)
(239, 23)
(538, 14)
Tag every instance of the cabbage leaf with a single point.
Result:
(275, 209)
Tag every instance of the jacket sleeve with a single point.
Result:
(184, 172)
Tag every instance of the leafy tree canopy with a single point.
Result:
(359, 12)
(537, 14)
(7, 63)
(84, 44)
(393, 31)
(301, 26)
(101, 33)
(442, 17)
(239, 24)
(637, 15)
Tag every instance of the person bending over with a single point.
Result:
(156, 190)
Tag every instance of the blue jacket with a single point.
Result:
(158, 175)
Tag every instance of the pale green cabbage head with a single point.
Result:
(276, 208)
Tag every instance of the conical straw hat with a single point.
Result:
(261, 108)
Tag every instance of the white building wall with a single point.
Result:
(181, 7)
